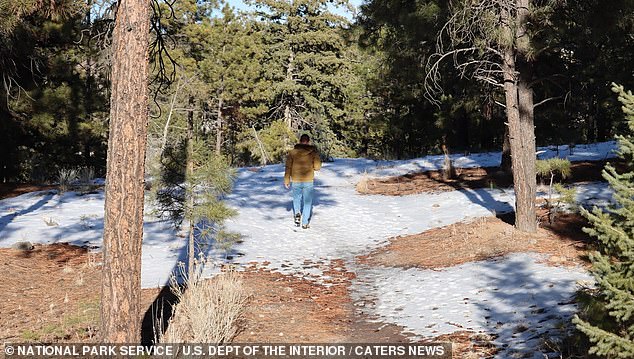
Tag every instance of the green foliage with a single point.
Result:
(53, 109)
(196, 199)
(306, 73)
(356, 88)
(553, 166)
(327, 142)
(549, 169)
(12, 12)
(566, 195)
(597, 52)
(397, 39)
(212, 179)
(613, 334)
(270, 144)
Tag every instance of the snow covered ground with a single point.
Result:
(515, 298)
(588, 152)
(515, 290)
(47, 217)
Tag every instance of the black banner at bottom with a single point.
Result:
(228, 351)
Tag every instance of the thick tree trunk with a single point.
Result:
(189, 195)
(88, 97)
(525, 197)
(519, 110)
(526, 218)
(123, 222)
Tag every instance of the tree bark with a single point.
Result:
(526, 218)
(166, 127)
(263, 159)
(521, 131)
(123, 220)
(505, 164)
(189, 195)
(448, 171)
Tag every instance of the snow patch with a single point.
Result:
(516, 298)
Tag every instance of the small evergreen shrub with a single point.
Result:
(550, 169)
(65, 178)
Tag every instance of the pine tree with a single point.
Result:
(304, 79)
(125, 176)
(190, 177)
(612, 332)
(492, 41)
(230, 67)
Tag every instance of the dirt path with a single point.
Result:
(50, 294)
(287, 309)
(469, 178)
(563, 242)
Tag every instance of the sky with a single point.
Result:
(239, 5)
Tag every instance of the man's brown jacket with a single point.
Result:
(301, 163)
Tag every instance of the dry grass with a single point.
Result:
(363, 185)
(208, 310)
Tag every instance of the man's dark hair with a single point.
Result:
(304, 138)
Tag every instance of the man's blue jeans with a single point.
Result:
(303, 199)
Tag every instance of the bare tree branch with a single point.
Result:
(547, 100)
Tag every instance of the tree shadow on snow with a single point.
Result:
(523, 306)
(264, 189)
(9, 218)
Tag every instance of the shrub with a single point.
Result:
(270, 144)
(207, 311)
(550, 168)
(86, 176)
(65, 178)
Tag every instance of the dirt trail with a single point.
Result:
(472, 178)
(51, 294)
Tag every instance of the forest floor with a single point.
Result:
(438, 265)
(51, 293)
(470, 178)
(10, 190)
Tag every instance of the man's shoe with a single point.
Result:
(305, 226)
(298, 219)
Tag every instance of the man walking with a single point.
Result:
(301, 163)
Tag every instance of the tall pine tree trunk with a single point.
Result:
(189, 194)
(289, 77)
(123, 222)
(521, 135)
(526, 219)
